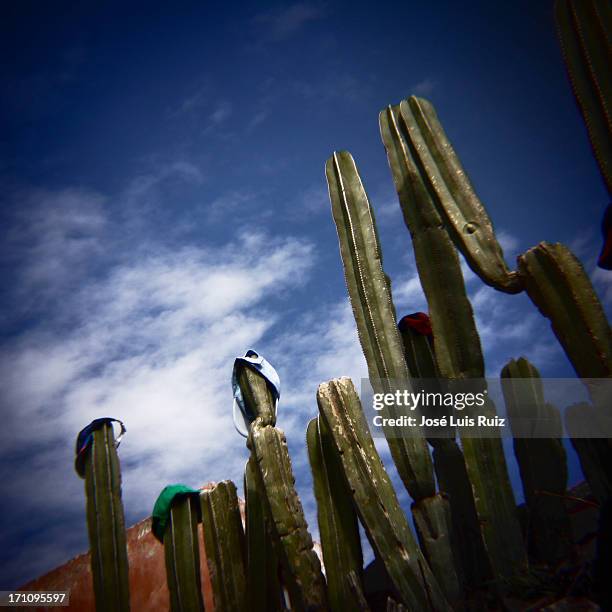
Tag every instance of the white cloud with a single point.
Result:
(153, 344)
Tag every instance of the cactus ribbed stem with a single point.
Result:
(375, 499)
(542, 463)
(263, 585)
(585, 32)
(225, 546)
(370, 296)
(304, 580)
(408, 134)
(558, 285)
(106, 523)
(182, 554)
(595, 454)
(337, 519)
(452, 193)
(257, 395)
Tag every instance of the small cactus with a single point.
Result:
(338, 526)
(182, 554)
(224, 545)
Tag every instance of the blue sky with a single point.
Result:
(164, 208)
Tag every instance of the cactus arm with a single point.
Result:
(370, 296)
(106, 523)
(182, 555)
(585, 31)
(338, 527)
(558, 285)
(454, 196)
(305, 581)
(224, 544)
(375, 499)
(263, 586)
(542, 462)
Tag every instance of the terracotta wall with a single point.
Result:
(148, 589)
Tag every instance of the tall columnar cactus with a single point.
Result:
(542, 461)
(370, 294)
(106, 523)
(182, 555)
(338, 526)
(262, 565)
(584, 28)
(433, 190)
(375, 499)
(225, 546)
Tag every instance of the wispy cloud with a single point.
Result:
(220, 114)
(152, 342)
(283, 23)
(425, 87)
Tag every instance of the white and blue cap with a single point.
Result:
(243, 417)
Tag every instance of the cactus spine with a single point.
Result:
(224, 545)
(106, 523)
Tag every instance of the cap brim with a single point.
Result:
(240, 422)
